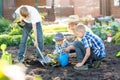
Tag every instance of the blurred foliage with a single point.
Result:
(48, 40)
(116, 38)
(55, 28)
(15, 29)
(15, 40)
(4, 25)
(10, 40)
(102, 31)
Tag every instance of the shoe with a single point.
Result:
(84, 67)
(20, 59)
(96, 64)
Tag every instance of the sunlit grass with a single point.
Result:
(55, 28)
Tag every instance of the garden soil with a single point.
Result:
(108, 70)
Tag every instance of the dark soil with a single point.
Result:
(108, 70)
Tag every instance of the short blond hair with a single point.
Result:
(80, 27)
(24, 12)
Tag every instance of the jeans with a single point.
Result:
(81, 51)
(22, 47)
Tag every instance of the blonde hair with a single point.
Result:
(80, 27)
(24, 12)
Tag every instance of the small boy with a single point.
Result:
(90, 48)
(60, 45)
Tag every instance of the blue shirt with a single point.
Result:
(60, 48)
(93, 42)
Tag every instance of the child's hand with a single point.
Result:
(66, 50)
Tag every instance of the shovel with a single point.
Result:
(44, 59)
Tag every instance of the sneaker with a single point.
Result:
(84, 67)
(20, 59)
(96, 64)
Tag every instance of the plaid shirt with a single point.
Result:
(60, 48)
(93, 42)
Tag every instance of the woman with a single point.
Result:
(32, 19)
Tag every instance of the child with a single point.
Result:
(60, 45)
(88, 49)
(71, 26)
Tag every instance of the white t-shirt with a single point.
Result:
(34, 15)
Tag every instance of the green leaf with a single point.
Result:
(118, 54)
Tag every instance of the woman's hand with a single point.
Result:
(35, 43)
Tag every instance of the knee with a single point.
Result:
(77, 44)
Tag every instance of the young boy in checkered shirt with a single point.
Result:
(90, 48)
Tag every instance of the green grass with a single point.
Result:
(55, 28)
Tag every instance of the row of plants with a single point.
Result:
(14, 32)
(10, 33)
(112, 28)
(15, 40)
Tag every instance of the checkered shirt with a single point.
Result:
(93, 42)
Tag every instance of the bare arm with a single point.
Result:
(87, 55)
(35, 34)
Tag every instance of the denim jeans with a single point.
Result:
(81, 51)
(22, 47)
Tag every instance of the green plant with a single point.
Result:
(116, 38)
(4, 25)
(48, 40)
(100, 31)
(15, 31)
(118, 54)
(112, 28)
(10, 40)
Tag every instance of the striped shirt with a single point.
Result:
(93, 42)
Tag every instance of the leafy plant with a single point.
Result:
(48, 40)
(116, 38)
(4, 25)
(118, 54)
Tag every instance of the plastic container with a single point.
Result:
(63, 59)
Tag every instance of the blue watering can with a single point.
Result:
(63, 59)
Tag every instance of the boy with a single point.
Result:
(60, 45)
(88, 49)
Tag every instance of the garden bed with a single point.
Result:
(108, 70)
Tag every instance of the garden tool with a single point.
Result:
(44, 60)
(5, 55)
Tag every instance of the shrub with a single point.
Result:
(15, 29)
(116, 38)
(4, 25)
(48, 40)
(10, 40)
